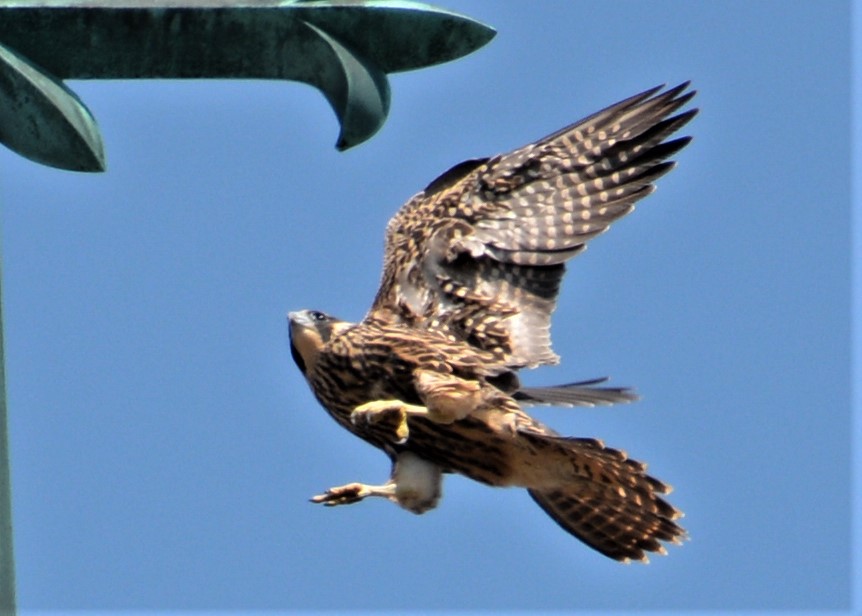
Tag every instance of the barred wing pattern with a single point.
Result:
(479, 254)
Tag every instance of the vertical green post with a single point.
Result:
(7, 562)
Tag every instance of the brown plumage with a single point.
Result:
(472, 269)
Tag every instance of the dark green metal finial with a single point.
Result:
(345, 48)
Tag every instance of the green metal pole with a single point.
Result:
(7, 562)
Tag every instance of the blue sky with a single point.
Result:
(164, 446)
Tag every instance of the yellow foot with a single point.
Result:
(380, 410)
(351, 493)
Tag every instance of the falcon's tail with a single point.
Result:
(582, 393)
(610, 503)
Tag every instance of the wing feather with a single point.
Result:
(479, 254)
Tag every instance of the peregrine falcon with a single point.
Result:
(472, 270)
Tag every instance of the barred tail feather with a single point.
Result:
(607, 523)
(605, 499)
(581, 393)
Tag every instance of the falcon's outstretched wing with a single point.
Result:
(480, 253)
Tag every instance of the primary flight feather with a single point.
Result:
(472, 270)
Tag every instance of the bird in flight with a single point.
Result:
(472, 270)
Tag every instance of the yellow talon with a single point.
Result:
(378, 410)
(403, 430)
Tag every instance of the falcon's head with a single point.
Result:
(310, 330)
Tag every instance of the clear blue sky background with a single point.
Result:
(164, 445)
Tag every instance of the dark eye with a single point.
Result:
(317, 316)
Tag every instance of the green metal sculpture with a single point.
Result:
(345, 48)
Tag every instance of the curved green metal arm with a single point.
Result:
(345, 48)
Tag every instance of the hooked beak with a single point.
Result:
(297, 321)
(300, 317)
